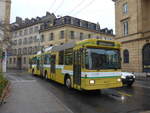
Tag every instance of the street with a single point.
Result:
(31, 94)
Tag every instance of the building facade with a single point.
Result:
(133, 31)
(49, 31)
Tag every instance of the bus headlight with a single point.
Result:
(119, 80)
(92, 81)
(123, 77)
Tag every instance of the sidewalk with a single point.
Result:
(28, 96)
(142, 76)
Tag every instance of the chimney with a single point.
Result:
(18, 20)
(97, 26)
(48, 14)
(27, 20)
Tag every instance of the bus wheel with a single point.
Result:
(68, 82)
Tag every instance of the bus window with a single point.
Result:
(61, 57)
(38, 63)
(53, 62)
(86, 60)
(102, 59)
(46, 59)
(82, 53)
(68, 57)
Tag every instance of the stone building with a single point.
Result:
(29, 36)
(133, 30)
(67, 29)
(25, 39)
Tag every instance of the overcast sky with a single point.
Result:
(101, 11)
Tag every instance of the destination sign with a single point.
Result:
(105, 43)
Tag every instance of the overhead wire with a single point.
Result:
(60, 5)
(78, 5)
(52, 5)
(83, 9)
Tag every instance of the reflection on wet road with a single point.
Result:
(120, 100)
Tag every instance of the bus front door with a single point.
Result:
(53, 67)
(77, 69)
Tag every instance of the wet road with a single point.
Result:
(120, 100)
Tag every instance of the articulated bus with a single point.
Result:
(90, 64)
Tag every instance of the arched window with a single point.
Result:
(19, 51)
(126, 56)
(146, 58)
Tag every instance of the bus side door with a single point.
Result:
(42, 65)
(77, 67)
(53, 67)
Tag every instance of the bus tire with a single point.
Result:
(68, 82)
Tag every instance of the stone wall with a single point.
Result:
(138, 18)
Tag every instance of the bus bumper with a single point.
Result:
(102, 86)
(101, 83)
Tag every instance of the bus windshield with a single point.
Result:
(97, 59)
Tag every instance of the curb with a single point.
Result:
(143, 78)
(5, 94)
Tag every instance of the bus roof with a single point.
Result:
(86, 42)
(64, 46)
(96, 41)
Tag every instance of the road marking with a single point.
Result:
(124, 94)
(117, 95)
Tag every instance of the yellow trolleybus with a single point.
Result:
(90, 64)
